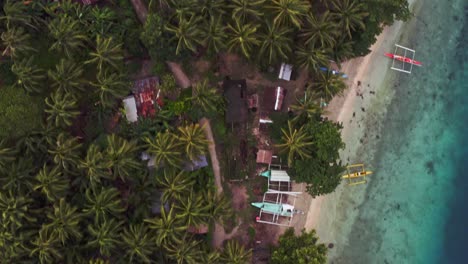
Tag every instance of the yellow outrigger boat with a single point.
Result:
(356, 174)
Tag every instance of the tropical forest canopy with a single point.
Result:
(74, 188)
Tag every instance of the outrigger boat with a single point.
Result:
(403, 59)
(356, 174)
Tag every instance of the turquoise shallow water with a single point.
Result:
(415, 206)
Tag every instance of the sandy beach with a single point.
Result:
(366, 91)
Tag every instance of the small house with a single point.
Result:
(285, 71)
(264, 156)
(273, 99)
(236, 98)
(130, 108)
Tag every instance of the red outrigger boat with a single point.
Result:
(403, 59)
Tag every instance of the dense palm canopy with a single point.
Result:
(105, 236)
(174, 184)
(193, 140)
(65, 220)
(349, 14)
(67, 77)
(166, 149)
(102, 203)
(307, 106)
(137, 243)
(245, 9)
(108, 52)
(17, 176)
(213, 35)
(16, 14)
(188, 252)
(29, 76)
(192, 210)
(295, 142)
(52, 183)
(186, 33)
(7, 154)
(67, 35)
(16, 42)
(287, 12)
(95, 166)
(122, 156)
(169, 230)
(328, 84)
(242, 37)
(16, 210)
(45, 246)
(110, 86)
(310, 58)
(276, 43)
(235, 253)
(65, 151)
(61, 109)
(206, 98)
(319, 30)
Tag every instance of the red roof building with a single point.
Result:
(264, 156)
(147, 98)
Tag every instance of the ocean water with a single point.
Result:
(415, 207)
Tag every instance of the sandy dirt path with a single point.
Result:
(181, 78)
(205, 123)
(140, 10)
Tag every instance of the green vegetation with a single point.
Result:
(73, 186)
(294, 249)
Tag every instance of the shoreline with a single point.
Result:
(349, 109)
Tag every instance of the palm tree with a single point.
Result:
(211, 8)
(218, 205)
(13, 243)
(168, 228)
(122, 156)
(213, 35)
(188, 252)
(206, 97)
(137, 243)
(192, 210)
(102, 203)
(183, 9)
(329, 84)
(295, 142)
(210, 257)
(66, 77)
(18, 176)
(46, 247)
(165, 148)
(7, 154)
(193, 140)
(242, 38)
(61, 109)
(29, 76)
(67, 34)
(65, 151)
(174, 185)
(16, 210)
(287, 12)
(235, 253)
(65, 221)
(108, 53)
(310, 58)
(105, 236)
(52, 183)
(186, 33)
(16, 42)
(343, 51)
(245, 9)
(16, 12)
(349, 14)
(276, 43)
(307, 106)
(95, 166)
(320, 30)
(102, 20)
(110, 86)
